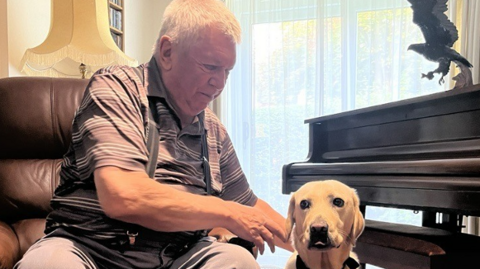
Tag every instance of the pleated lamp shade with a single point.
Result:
(79, 34)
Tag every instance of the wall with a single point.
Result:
(147, 16)
(3, 39)
(28, 22)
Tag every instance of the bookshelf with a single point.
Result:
(116, 16)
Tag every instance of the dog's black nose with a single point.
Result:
(319, 229)
(319, 236)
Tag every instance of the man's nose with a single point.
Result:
(218, 80)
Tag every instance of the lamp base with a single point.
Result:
(83, 70)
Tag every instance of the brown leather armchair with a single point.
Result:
(35, 131)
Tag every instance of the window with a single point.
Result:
(306, 58)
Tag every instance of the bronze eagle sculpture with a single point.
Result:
(440, 34)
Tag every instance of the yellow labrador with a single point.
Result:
(325, 221)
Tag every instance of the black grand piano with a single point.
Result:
(421, 154)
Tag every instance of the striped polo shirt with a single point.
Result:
(110, 129)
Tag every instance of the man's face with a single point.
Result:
(198, 73)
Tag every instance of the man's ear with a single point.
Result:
(164, 57)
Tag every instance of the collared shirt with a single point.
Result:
(110, 129)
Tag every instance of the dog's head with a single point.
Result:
(324, 215)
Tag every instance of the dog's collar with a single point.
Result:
(350, 262)
(300, 264)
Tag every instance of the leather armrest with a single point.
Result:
(9, 246)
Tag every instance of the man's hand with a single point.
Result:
(253, 225)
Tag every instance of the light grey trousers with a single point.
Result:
(61, 253)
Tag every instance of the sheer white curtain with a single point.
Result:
(468, 18)
(305, 58)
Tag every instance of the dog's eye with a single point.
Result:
(338, 202)
(304, 204)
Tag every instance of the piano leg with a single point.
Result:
(449, 222)
(363, 209)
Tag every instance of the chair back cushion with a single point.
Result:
(36, 114)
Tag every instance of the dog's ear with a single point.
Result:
(358, 221)
(291, 216)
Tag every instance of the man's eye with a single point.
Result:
(304, 204)
(210, 67)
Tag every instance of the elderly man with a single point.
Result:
(108, 212)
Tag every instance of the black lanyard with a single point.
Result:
(205, 163)
(152, 146)
(153, 140)
(153, 137)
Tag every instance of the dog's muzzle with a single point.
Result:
(319, 238)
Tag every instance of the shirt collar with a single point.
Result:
(155, 86)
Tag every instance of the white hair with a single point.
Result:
(184, 20)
